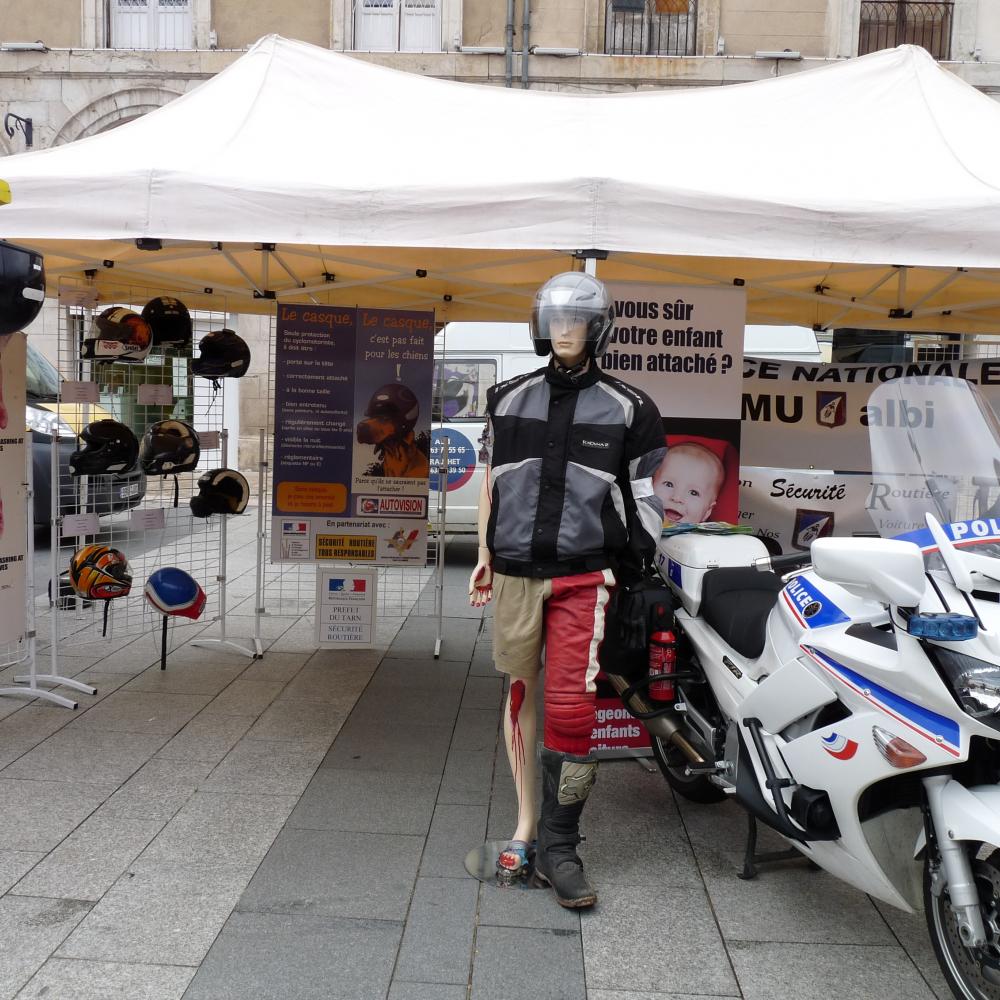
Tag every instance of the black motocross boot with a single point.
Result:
(566, 783)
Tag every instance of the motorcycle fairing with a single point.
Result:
(810, 606)
(934, 728)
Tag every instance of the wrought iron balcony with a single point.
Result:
(887, 23)
(650, 27)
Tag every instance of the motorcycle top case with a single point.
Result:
(685, 559)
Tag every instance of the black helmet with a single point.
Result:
(220, 491)
(168, 447)
(576, 294)
(22, 286)
(395, 401)
(108, 446)
(224, 354)
(118, 334)
(169, 320)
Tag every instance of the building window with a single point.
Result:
(888, 23)
(650, 27)
(151, 24)
(397, 25)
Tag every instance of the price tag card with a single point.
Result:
(209, 440)
(79, 392)
(80, 524)
(148, 520)
(155, 395)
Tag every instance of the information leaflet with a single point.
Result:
(352, 435)
(13, 514)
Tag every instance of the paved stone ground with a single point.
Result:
(294, 828)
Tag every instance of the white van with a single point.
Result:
(470, 357)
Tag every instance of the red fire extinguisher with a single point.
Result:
(662, 660)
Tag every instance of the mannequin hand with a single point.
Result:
(481, 580)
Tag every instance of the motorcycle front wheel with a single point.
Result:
(971, 974)
(673, 763)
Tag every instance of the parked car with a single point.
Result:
(51, 421)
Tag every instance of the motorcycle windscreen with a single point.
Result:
(935, 449)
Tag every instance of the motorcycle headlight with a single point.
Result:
(975, 683)
(48, 423)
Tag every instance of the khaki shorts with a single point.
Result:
(566, 610)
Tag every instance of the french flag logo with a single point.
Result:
(839, 746)
(295, 527)
(340, 585)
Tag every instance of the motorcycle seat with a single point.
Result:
(736, 602)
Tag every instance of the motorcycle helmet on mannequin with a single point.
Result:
(99, 573)
(220, 491)
(224, 354)
(169, 447)
(22, 286)
(108, 446)
(118, 334)
(171, 591)
(577, 295)
(169, 321)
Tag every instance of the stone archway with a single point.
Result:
(111, 110)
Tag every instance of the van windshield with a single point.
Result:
(42, 379)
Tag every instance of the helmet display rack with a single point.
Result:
(27, 684)
(147, 518)
(287, 590)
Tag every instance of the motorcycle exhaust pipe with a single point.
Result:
(662, 726)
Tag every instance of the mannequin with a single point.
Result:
(566, 504)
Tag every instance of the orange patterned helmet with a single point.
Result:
(100, 573)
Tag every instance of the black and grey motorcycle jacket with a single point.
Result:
(571, 486)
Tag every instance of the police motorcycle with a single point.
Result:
(853, 705)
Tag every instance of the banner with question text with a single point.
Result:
(683, 346)
(352, 406)
(13, 494)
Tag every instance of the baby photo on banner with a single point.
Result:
(683, 345)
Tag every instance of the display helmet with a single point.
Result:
(100, 573)
(396, 402)
(108, 446)
(169, 320)
(224, 354)
(173, 592)
(220, 491)
(169, 447)
(118, 334)
(577, 295)
(22, 286)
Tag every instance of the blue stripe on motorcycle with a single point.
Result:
(930, 723)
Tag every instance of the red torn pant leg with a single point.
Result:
(574, 630)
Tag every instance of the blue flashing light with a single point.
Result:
(949, 627)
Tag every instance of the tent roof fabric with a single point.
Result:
(840, 194)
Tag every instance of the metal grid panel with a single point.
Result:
(189, 543)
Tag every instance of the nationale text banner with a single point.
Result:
(683, 345)
(13, 512)
(809, 416)
(351, 434)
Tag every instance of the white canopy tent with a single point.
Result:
(861, 194)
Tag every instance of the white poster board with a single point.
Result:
(345, 607)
